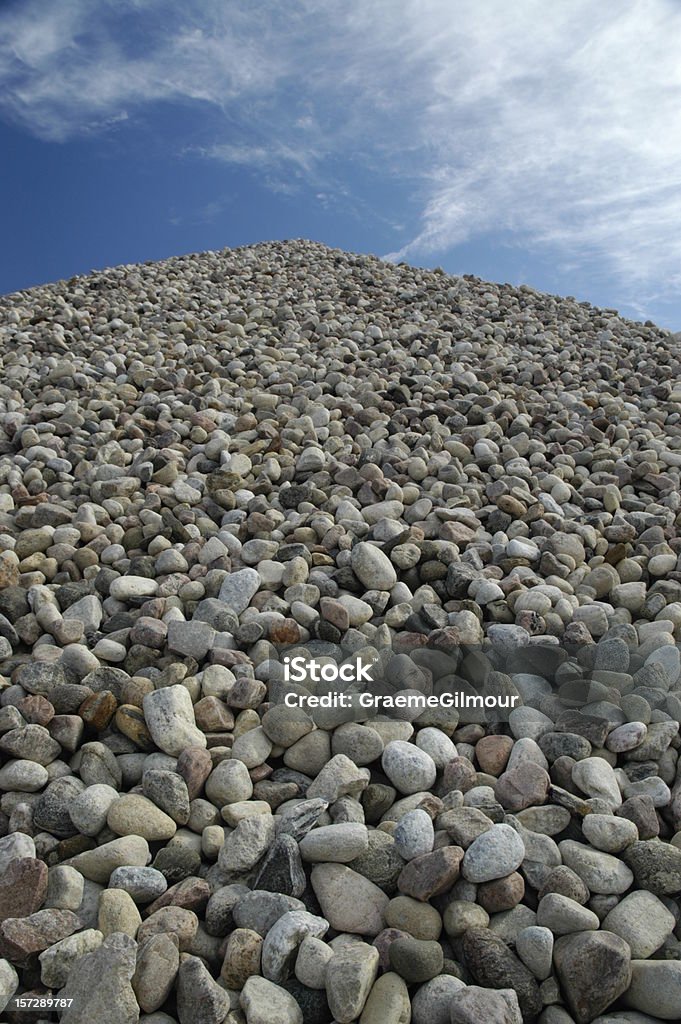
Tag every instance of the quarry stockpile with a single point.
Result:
(340, 680)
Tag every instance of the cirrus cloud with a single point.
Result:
(551, 128)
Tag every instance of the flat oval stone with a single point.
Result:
(601, 872)
(349, 902)
(135, 815)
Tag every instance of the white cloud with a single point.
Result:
(553, 126)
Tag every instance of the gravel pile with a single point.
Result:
(213, 465)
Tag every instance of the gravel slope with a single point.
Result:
(213, 463)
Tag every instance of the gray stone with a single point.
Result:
(97, 865)
(472, 1005)
(414, 834)
(410, 769)
(141, 883)
(608, 833)
(158, 961)
(432, 1001)
(372, 567)
(259, 910)
(534, 946)
(168, 791)
(247, 844)
(311, 960)
(229, 783)
(494, 854)
(200, 1000)
(170, 719)
(31, 743)
(656, 988)
(15, 846)
(283, 939)
(89, 809)
(601, 872)
(340, 777)
(126, 588)
(388, 1002)
(350, 975)
(23, 776)
(99, 985)
(349, 902)
(64, 888)
(238, 589)
(9, 983)
(252, 747)
(340, 843)
(656, 866)
(596, 778)
(563, 916)
(57, 961)
(135, 815)
(263, 1002)
(416, 960)
(493, 964)
(643, 921)
(594, 969)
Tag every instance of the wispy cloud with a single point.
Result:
(556, 127)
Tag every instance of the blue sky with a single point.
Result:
(528, 142)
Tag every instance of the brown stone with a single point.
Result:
(191, 894)
(532, 622)
(459, 774)
(22, 936)
(174, 920)
(594, 969)
(67, 730)
(494, 965)
(194, 765)
(511, 506)
(493, 752)
(148, 631)
(501, 894)
(22, 497)
(213, 715)
(219, 739)
(71, 847)
(36, 709)
(431, 874)
(526, 785)
(246, 692)
(98, 709)
(641, 810)
(23, 888)
(130, 721)
(287, 631)
(242, 958)
(134, 690)
(158, 961)
(405, 643)
(335, 613)
(464, 824)
(9, 569)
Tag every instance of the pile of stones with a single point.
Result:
(216, 463)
